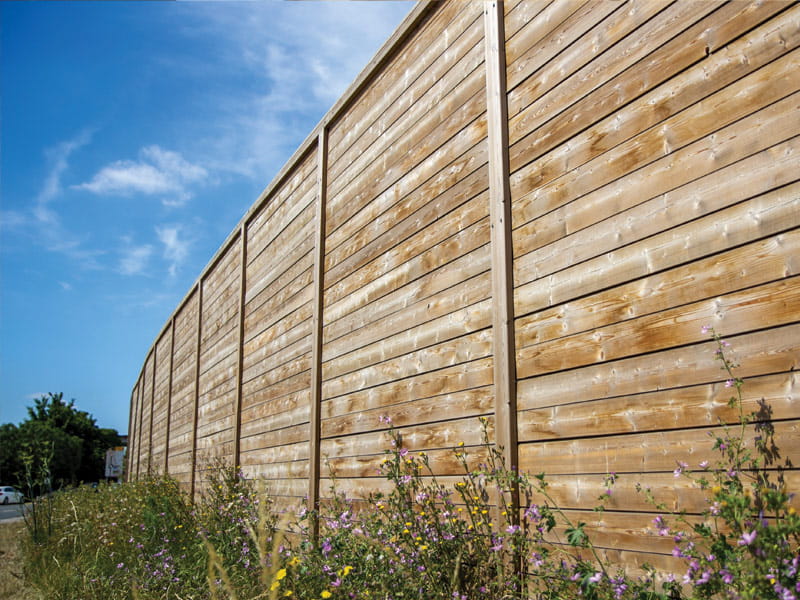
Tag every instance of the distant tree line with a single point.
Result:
(56, 445)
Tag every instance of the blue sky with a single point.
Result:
(134, 136)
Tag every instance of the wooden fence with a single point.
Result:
(524, 212)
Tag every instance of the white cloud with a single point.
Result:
(134, 259)
(296, 70)
(176, 249)
(157, 172)
(67, 287)
(44, 219)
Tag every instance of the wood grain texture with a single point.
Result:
(523, 213)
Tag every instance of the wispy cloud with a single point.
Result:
(44, 219)
(158, 172)
(176, 248)
(296, 72)
(134, 259)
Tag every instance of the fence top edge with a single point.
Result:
(395, 42)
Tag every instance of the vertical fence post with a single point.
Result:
(316, 333)
(505, 372)
(237, 426)
(139, 426)
(129, 453)
(169, 393)
(152, 410)
(196, 384)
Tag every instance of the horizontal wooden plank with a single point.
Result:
(411, 218)
(252, 454)
(298, 352)
(604, 23)
(693, 406)
(675, 37)
(771, 351)
(278, 437)
(444, 435)
(464, 375)
(273, 406)
(222, 276)
(750, 177)
(519, 13)
(440, 345)
(761, 307)
(745, 266)
(372, 330)
(740, 140)
(287, 222)
(303, 173)
(461, 269)
(270, 376)
(419, 150)
(366, 468)
(435, 174)
(411, 410)
(220, 371)
(415, 60)
(254, 423)
(698, 82)
(658, 451)
(400, 267)
(398, 130)
(287, 268)
(291, 299)
(679, 37)
(763, 216)
(722, 113)
(256, 394)
(529, 23)
(270, 472)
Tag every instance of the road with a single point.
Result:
(10, 511)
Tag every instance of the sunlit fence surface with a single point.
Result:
(524, 212)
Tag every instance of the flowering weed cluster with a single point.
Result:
(493, 534)
(747, 545)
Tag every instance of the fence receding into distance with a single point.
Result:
(524, 212)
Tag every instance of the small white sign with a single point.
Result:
(115, 459)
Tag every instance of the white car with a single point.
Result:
(8, 495)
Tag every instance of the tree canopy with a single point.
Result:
(58, 437)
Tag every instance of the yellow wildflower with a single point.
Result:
(325, 594)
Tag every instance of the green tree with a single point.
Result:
(56, 431)
(10, 461)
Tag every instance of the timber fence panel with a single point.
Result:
(277, 338)
(217, 379)
(649, 200)
(521, 212)
(184, 379)
(161, 400)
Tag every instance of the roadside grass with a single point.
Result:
(12, 582)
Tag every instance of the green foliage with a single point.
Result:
(494, 534)
(70, 438)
